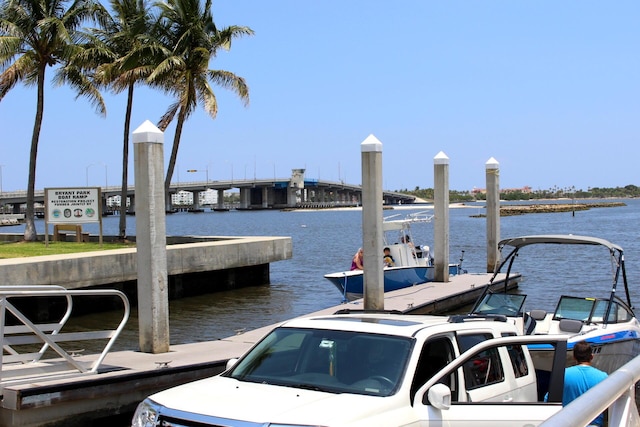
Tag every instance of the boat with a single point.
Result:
(413, 264)
(606, 321)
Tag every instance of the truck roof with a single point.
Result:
(389, 323)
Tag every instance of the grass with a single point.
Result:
(29, 249)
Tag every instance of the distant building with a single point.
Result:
(185, 198)
(526, 189)
(114, 201)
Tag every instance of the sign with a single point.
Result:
(72, 205)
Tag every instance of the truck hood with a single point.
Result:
(229, 398)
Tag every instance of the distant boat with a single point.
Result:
(413, 263)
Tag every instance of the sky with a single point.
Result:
(549, 89)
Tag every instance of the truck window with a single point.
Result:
(485, 367)
(435, 355)
(518, 361)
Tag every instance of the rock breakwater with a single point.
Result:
(510, 210)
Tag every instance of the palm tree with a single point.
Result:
(191, 41)
(35, 34)
(122, 54)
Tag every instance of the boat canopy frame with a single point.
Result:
(516, 243)
(389, 224)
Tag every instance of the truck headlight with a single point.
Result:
(146, 414)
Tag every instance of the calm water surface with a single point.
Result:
(324, 241)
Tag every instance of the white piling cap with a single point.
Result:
(441, 159)
(371, 144)
(148, 132)
(492, 164)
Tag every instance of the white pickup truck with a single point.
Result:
(373, 369)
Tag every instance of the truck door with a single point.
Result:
(484, 398)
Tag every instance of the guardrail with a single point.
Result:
(31, 349)
(616, 393)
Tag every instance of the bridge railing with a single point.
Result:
(616, 393)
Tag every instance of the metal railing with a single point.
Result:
(616, 393)
(31, 349)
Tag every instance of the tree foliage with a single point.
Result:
(168, 46)
(191, 40)
(553, 193)
(35, 35)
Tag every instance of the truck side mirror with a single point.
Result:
(230, 363)
(440, 396)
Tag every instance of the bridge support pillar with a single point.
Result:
(220, 199)
(196, 200)
(291, 196)
(265, 197)
(132, 204)
(245, 197)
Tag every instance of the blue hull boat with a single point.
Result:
(351, 286)
(413, 264)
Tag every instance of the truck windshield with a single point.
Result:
(327, 360)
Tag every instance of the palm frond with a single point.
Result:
(79, 80)
(23, 69)
(168, 116)
(232, 82)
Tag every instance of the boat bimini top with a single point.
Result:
(517, 243)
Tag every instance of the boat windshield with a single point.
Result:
(327, 360)
(575, 308)
(505, 304)
(591, 310)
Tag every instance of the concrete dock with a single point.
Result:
(241, 258)
(127, 377)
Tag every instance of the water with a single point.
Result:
(324, 242)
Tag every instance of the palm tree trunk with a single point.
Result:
(125, 166)
(30, 233)
(172, 159)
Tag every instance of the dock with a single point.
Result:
(127, 377)
(234, 261)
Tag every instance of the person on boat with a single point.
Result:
(407, 240)
(356, 262)
(388, 259)
(581, 377)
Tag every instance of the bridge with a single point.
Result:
(295, 192)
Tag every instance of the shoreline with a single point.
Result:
(505, 209)
(413, 206)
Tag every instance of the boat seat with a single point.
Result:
(570, 325)
(538, 314)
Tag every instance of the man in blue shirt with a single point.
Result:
(581, 377)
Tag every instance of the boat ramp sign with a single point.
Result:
(72, 205)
